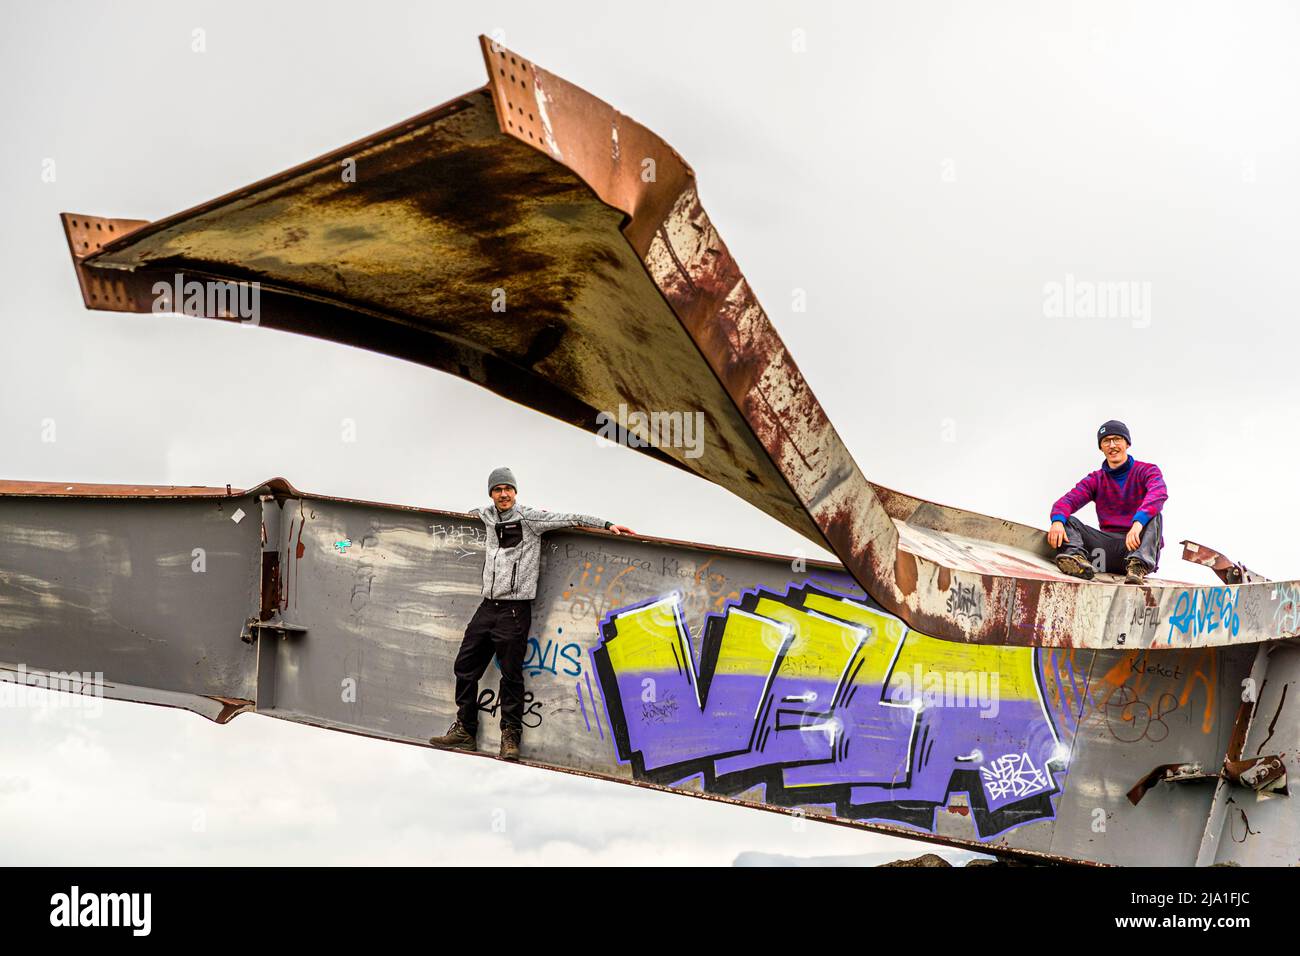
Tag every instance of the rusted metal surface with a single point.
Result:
(230, 709)
(1167, 773)
(1255, 773)
(1266, 776)
(69, 489)
(1259, 772)
(620, 291)
(1229, 571)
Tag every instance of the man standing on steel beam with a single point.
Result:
(500, 625)
(1129, 495)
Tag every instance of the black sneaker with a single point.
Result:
(1137, 571)
(1075, 566)
(510, 743)
(456, 738)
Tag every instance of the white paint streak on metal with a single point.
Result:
(542, 98)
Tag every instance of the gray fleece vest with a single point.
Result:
(514, 547)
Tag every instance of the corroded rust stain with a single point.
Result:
(905, 572)
(68, 489)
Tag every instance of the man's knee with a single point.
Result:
(511, 687)
(512, 664)
(472, 659)
(1075, 533)
(1075, 528)
(468, 670)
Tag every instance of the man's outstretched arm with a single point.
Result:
(543, 521)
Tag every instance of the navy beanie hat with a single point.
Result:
(1113, 427)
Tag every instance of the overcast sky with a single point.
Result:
(938, 178)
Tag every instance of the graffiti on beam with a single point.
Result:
(464, 540)
(822, 699)
(1286, 616)
(1130, 719)
(600, 581)
(966, 600)
(1012, 777)
(1144, 617)
(549, 659)
(489, 703)
(1202, 611)
(1141, 688)
(555, 658)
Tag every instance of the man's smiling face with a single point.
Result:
(503, 496)
(1115, 449)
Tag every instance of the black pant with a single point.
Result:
(499, 627)
(1106, 550)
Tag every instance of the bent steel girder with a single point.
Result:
(617, 291)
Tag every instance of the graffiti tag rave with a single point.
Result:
(812, 698)
(1203, 611)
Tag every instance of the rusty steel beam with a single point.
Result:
(225, 601)
(1229, 571)
(533, 195)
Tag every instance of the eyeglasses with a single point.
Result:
(1118, 442)
(500, 488)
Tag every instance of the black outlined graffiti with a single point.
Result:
(1130, 719)
(823, 716)
(966, 601)
(488, 704)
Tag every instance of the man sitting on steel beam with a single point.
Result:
(500, 625)
(1129, 495)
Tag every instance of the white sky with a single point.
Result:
(922, 171)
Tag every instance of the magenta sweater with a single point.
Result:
(1135, 491)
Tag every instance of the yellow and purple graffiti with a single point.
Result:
(824, 700)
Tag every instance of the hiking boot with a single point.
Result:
(1074, 566)
(456, 738)
(510, 743)
(1137, 571)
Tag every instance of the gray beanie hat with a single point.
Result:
(501, 476)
